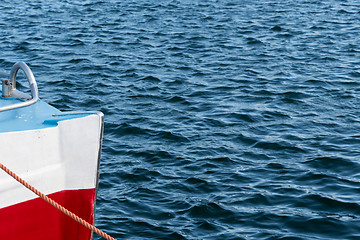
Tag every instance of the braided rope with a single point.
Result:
(55, 204)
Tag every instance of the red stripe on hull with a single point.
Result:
(36, 219)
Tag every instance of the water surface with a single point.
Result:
(224, 119)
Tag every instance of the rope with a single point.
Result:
(56, 205)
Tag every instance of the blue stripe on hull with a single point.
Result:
(37, 116)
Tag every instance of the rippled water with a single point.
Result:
(224, 119)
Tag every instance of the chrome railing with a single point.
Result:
(9, 87)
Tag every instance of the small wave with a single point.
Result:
(201, 185)
(151, 79)
(208, 210)
(78, 60)
(285, 35)
(355, 74)
(278, 146)
(172, 136)
(275, 115)
(178, 99)
(254, 41)
(277, 28)
(244, 117)
(334, 164)
(319, 226)
(326, 203)
(246, 139)
(127, 129)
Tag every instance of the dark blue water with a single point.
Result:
(224, 119)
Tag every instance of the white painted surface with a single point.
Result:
(51, 159)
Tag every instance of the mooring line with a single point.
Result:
(55, 204)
